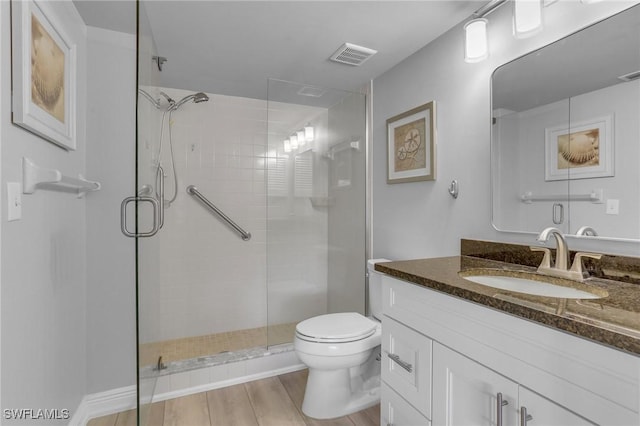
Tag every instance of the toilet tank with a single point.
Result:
(375, 288)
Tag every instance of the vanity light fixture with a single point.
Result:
(527, 17)
(476, 47)
(527, 21)
(301, 139)
(475, 40)
(293, 139)
(287, 145)
(308, 132)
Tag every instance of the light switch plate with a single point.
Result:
(613, 206)
(14, 201)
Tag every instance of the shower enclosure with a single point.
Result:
(289, 170)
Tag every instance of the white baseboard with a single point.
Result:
(103, 404)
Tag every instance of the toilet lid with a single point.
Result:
(335, 328)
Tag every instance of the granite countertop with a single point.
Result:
(612, 320)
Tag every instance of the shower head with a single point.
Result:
(200, 97)
(196, 98)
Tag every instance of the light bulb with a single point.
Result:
(308, 132)
(527, 17)
(475, 40)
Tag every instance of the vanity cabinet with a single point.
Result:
(470, 394)
(466, 393)
(463, 355)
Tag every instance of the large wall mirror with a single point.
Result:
(566, 134)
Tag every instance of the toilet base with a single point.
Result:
(336, 393)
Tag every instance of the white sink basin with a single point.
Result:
(532, 287)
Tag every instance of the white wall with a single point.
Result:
(421, 219)
(43, 312)
(111, 296)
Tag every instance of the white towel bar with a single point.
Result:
(35, 177)
(596, 196)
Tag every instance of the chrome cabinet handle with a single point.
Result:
(499, 404)
(524, 417)
(123, 216)
(404, 364)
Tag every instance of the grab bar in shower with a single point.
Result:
(192, 190)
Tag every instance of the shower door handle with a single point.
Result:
(123, 216)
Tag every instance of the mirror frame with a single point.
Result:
(493, 148)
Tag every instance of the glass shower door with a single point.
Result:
(148, 220)
(316, 204)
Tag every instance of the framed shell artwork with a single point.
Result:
(411, 145)
(43, 73)
(580, 150)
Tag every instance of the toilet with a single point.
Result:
(342, 352)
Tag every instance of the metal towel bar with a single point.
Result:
(192, 190)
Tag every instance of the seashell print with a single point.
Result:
(580, 148)
(47, 71)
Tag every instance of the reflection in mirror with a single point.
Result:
(565, 135)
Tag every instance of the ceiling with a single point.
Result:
(233, 47)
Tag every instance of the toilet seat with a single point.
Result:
(336, 328)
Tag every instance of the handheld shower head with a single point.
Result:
(196, 98)
(200, 97)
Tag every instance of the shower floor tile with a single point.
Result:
(211, 344)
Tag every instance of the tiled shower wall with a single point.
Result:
(200, 277)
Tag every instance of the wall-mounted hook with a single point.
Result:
(453, 188)
(159, 60)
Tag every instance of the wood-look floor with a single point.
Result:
(274, 401)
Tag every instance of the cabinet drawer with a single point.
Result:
(406, 364)
(397, 412)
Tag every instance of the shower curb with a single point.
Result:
(183, 383)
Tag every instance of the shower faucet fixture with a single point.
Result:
(195, 97)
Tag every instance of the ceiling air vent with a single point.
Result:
(351, 54)
(314, 92)
(631, 76)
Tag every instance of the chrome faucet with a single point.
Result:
(562, 251)
(561, 262)
(587, 231)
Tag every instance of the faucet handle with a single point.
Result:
(577, 261)
(546, 259)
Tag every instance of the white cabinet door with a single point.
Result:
(466, 393)
(395, 411)
(544, 412)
